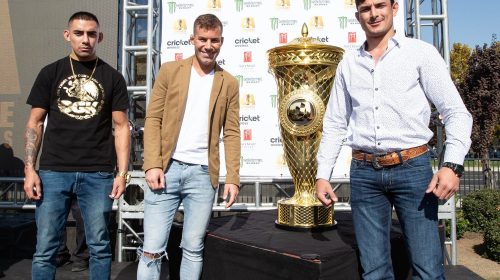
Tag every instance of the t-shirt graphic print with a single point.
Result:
(80, 97)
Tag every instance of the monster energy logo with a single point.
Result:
(307, 4)
(274, 100)
(239, 5)
(274, 23)
(171, 7)
(343, 22)
(240, 79)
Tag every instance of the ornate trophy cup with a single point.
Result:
(304, 71)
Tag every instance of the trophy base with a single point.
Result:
(294, 216)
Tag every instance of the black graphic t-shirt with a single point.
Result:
(78, 134)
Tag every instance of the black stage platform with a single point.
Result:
(250, 246)
(247, 246)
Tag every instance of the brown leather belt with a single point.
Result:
(389, 159)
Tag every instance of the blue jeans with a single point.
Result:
(374, 192)
(189, 184)
(92, 190)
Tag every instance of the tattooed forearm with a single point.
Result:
(33, 139)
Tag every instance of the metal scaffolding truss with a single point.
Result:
(140, 62)
(435, 18)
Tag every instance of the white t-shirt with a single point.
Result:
(192, 145)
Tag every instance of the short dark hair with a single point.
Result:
(84, 16)
(207, 21)
(359, 2)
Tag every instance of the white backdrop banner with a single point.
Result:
(250, 29)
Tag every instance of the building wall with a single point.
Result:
(32, 37)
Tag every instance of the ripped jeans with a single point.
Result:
(189, 184)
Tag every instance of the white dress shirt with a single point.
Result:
(384, 107)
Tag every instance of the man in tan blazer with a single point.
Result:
(193, 100)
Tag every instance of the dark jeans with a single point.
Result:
(92, 190)
(81, 252)
(374, 192)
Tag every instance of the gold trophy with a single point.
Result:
(304, 71)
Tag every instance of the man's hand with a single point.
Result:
(323, 188)
(32, 185)
(119, 185)
(155, 178)
(232, 190)
(444, 183)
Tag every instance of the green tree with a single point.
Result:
(480, 91)
(459, 57)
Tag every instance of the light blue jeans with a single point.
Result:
(92, 190)
(373, 194)
(188, 184)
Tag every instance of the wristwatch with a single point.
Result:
(125, 175)
(457, 168)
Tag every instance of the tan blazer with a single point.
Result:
(166, 110)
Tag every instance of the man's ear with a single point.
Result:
(395, 9)
(191, 39)
(101, 37)
(221, 40)
(356, 14)
(66, 35)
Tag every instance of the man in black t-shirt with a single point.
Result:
(82, 97)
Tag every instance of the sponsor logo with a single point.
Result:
(283, 38)
(245, 42)
(175, 44)
(307, 4)
(281, 160)
(274, 100)
(317, 22)
(323, 39)
(221, 62)
(274, 23)
(248, 23)
(214, 4)
(250, 161)
(342, 22)
(247, 135)
(276, 142)
(246, 119)
(350, 3)
(283, 3)
(178, 56)
(180, 25)
(239, 5)
(247, 56)
(247, 100)
(353, 21)
(351, 37)
(172, 5)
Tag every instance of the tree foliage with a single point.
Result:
(480, 91)
(459, 57)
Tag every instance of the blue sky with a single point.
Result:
(472, 22)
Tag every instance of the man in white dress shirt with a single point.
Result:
(379, 106)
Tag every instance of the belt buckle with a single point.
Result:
(375, 163)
